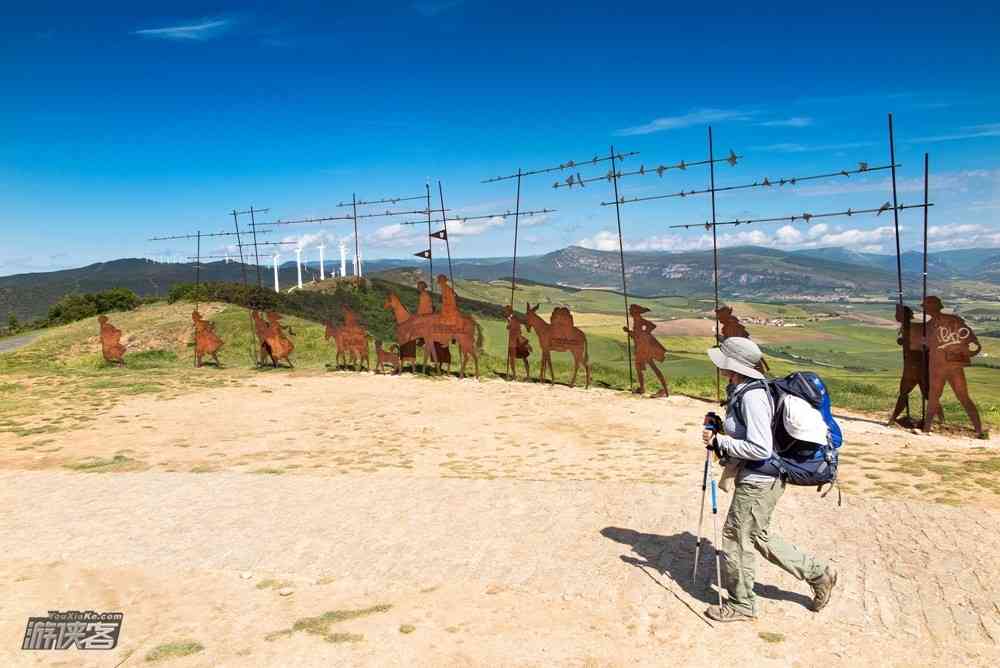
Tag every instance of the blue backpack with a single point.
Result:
(793, 461)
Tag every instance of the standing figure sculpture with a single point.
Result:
(561, 336)
(442, 353)
(206, 341)
(951, 345)
(111, 345)
(518, 347)
(352, 340)
(911, 338)
(731, 326)
(647, 349)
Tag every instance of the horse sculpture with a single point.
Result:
(273, 342)
(352, 341)
(439, 329)
(561, 336)
(111, 346)
(206, 341)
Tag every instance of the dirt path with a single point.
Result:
(507, 524)
(12, 343)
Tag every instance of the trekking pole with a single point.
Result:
(701, 514)
(715, 520)
(713, 423)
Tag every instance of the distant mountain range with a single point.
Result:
(744, 272)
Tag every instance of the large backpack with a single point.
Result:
(796, 461)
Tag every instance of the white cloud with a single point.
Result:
(963, 235)
(793, 122)
(469, 228)
(787, 236)
(802, 148)
(193, 32)
(967, 132)
(697, 117)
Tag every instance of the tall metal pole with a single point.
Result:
(256, 255)
(517, 213)
(621, 255)
(447, 241)
(357, 244)
(243, 267)
(895, 213)
(715, 255)
(430, 239)
(895, 217)
(923, 307)
(197, 275)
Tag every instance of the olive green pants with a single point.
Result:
(746, 531)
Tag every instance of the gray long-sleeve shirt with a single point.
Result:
(754, 440)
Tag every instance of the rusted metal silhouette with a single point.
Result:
(447, 326)
(387, 357)
(518, 347)
(351, 339)
(647, 349)
(910, 337)
(408, 349)
(111, 345)
(206, 341)
(951, 345)
(558, 335)
(731, 326)
(273, 342)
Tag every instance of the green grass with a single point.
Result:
(174, 650)
(321, 624)
(118, 463)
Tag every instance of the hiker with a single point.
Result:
(749, 442)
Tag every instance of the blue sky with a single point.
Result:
(122, 122)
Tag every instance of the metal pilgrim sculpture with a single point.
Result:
(731, 326)
(647, 349)
(206, 341)
(271, 335)
(351, 339)
(561, 336)
(111, 345)
(444, 327)
(518, 347)
(911, 338)
(951, 345)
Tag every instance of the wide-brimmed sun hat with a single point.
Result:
(737, 354)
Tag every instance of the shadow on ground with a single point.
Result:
(673, 557)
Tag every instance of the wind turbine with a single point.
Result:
(298, 264)
(276, 288)
(322, 269)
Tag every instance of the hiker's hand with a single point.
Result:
(706, 437)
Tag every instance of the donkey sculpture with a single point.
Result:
(561, 336)
(111, 342)
(206, 341)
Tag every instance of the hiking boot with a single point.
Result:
(823, 588)
(727, 613)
